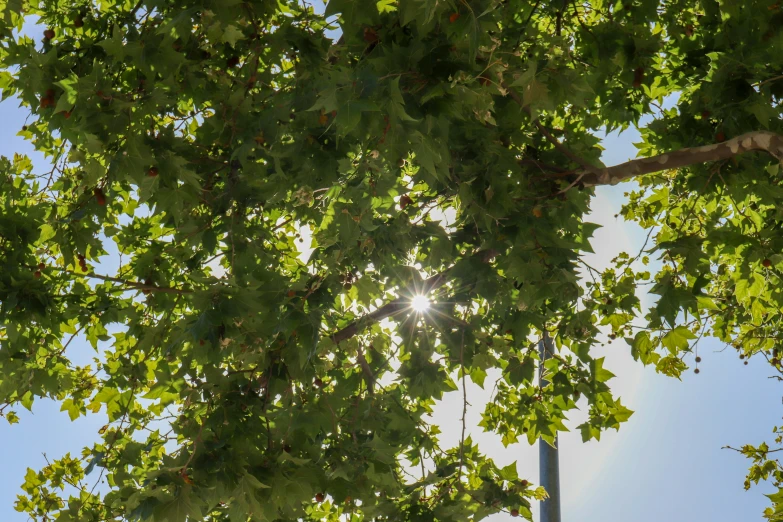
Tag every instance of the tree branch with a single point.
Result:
(763, 141)
(132, 284)
(464, 406)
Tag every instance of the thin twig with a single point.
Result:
(548, 135)
(464, 406)
(131, 284)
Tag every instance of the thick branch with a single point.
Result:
(764, 141)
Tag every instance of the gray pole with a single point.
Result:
(549, 464)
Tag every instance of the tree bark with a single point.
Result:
(763, 141)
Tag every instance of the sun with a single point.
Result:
(420, 303)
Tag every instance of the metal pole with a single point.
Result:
(549, 463)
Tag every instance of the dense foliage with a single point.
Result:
(203, 144)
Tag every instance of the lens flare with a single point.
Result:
(420, 303)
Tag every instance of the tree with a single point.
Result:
(247, 378)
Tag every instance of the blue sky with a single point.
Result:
(665, 464)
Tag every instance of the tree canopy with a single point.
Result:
(279, 181)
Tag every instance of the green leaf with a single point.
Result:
(386, 6)
(642, 348)
(231, 35)
(74, 410)
(183, 507)
(677, 339)
(521, 371)
(509, 472)
(11, 417)
(47, 233)
(600, 374)
(27, 400)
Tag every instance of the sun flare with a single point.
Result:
(420, 303)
